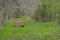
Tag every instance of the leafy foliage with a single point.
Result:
(48, 10)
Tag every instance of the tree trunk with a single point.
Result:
(3, 19)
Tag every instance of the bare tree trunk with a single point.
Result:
(3, 14)
(3, 19)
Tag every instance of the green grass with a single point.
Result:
(31, 31)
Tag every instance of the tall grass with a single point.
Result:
(32, 30)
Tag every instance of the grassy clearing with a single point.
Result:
(31, 31)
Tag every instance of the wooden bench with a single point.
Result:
(21, 24)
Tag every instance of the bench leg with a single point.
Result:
(22, 26)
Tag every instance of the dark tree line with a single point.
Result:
(48, 10)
